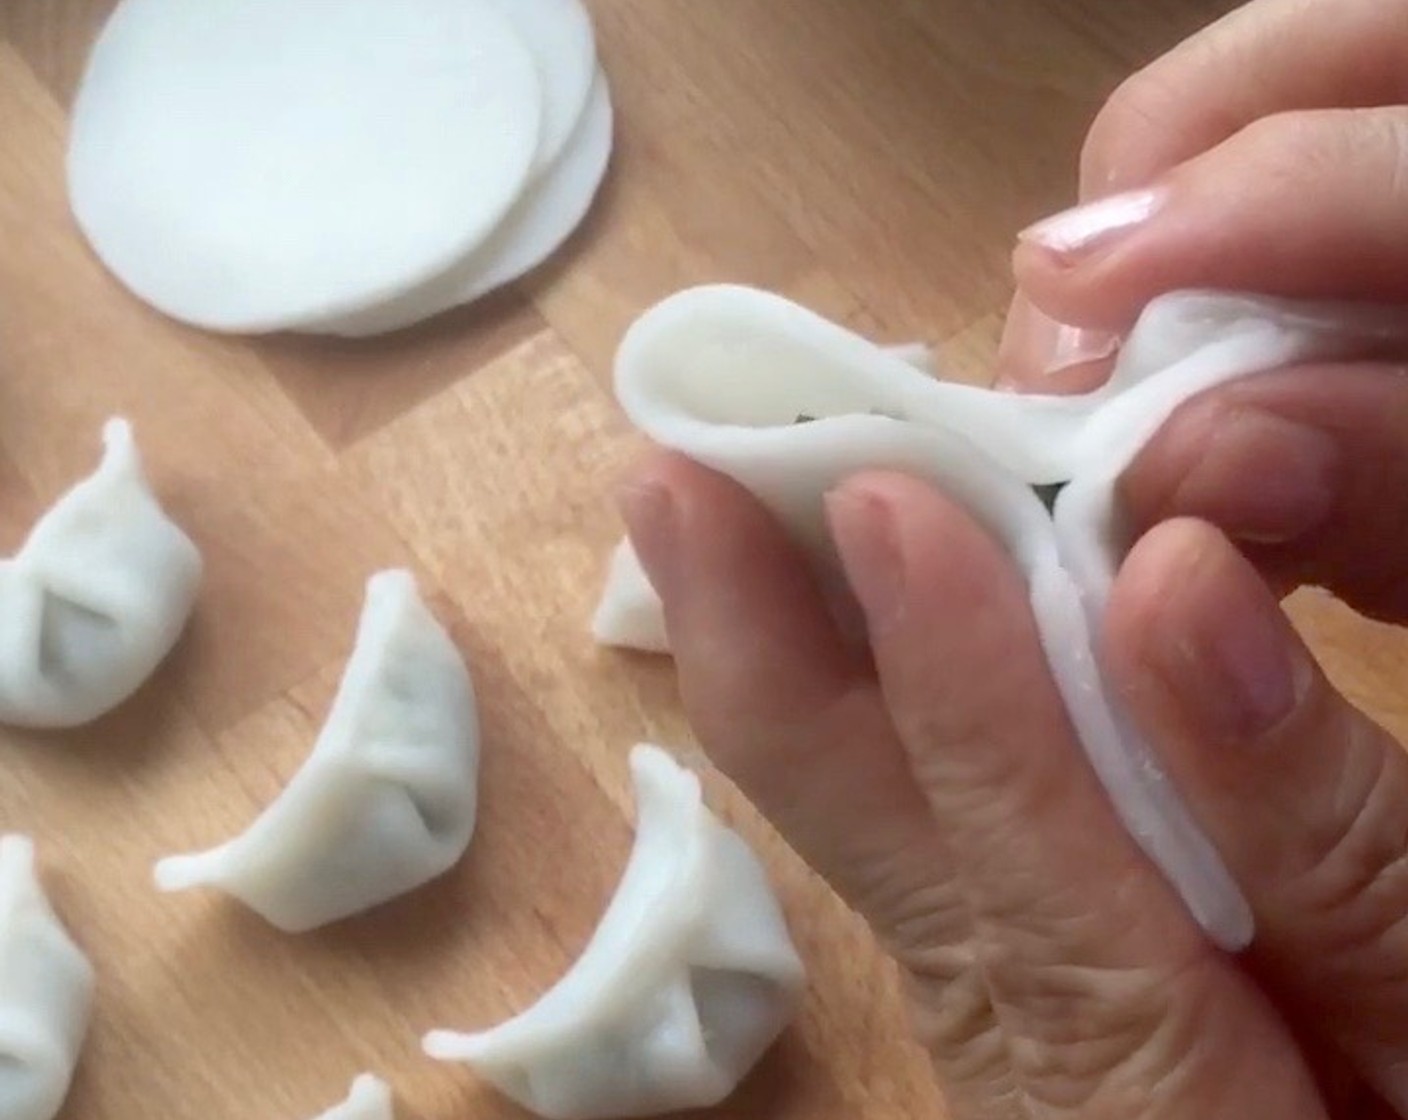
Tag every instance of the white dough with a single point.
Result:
(95, 598)
(560, 39)
(387, 799)
(251, 165)
(46, 992)
(369, 1099)
(629, 614)
(721, 373)
(687, 981)
(548, 212)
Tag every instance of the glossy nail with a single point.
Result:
(1076, 232)
(863, 529)
(1035, 347)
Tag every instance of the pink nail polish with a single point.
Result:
(1084, 228)
(1034, 346)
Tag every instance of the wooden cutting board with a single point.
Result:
(871, 158)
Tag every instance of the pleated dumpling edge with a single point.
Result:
(387, 799)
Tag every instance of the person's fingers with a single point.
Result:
(1311, 205)
(1041, 355)
(1114, 1003)
(1306, 469)
(1268, 57)
(793, 716)
(1305, 797)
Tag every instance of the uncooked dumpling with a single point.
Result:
(369, 1099)
(255, 165)
(387, 799)
(46, 991)
(95, 598)
(688, 980)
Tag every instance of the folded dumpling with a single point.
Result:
(46, 990)
(387, 799)
(369, 1099)
(95, 598)
(687, 981)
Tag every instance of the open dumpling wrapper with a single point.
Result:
(387, 799)
(46, 992)
(95, 598)
(687, 981)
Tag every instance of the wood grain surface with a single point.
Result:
(872, 158)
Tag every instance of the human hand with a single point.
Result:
(1268, 153)
(931, 775)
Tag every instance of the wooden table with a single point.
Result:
(872, 158)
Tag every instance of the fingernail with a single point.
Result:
(1036, 346)
(648, 508)
(1226, 652)
(863, 530)
(1262, 478)
(1095, 225)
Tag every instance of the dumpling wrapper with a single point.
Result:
(721, 374)
(254, 165)
(95, 598)
(46, 992)
(629, 613)
(370, 1098)
(686, 983)
(562, 43)
(387, 799)
(545, 216)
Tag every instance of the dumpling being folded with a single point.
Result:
(387, 799)
(95, 598)
(46, 990)
(688, 980)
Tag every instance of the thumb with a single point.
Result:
(1305, 797)
(1308, 204)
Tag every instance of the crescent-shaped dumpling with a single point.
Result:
(96, 596)
(46, 992)
(387, 799)
(687, 981)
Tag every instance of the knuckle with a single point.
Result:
(1137, 109)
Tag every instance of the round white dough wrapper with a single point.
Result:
(248, 165)
(559, 36)
(546, 216)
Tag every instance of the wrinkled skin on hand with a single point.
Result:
(929, 772)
